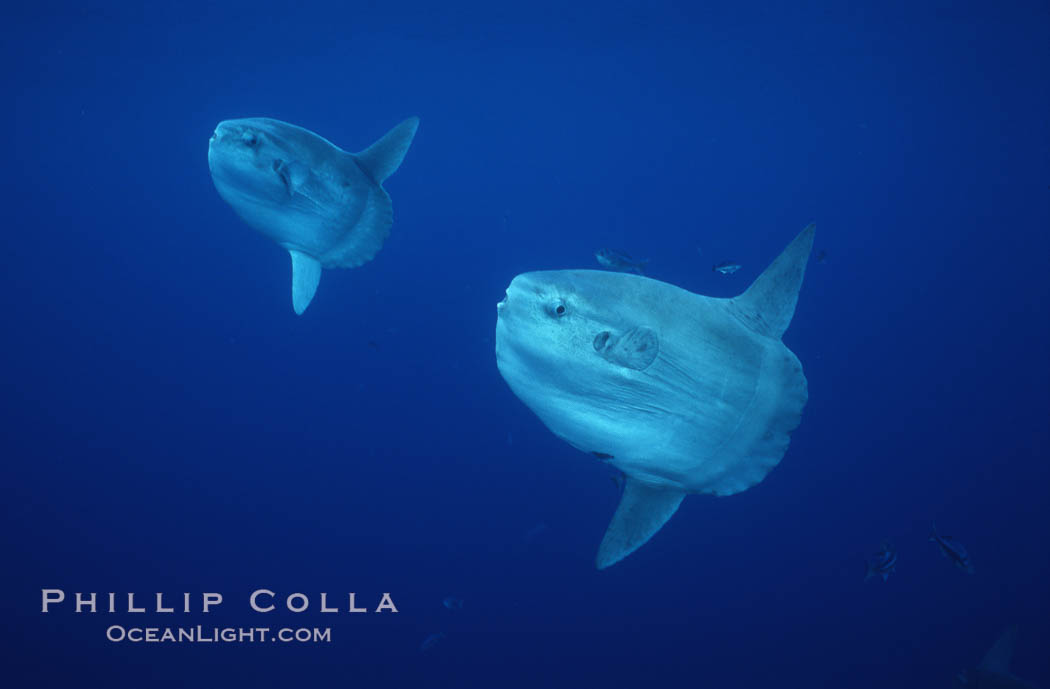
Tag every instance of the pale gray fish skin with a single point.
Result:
(325, 206)
(682, 393)
(651, 421)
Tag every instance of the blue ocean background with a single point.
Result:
(169, 424)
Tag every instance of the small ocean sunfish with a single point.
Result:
(453, 603)
(726, 267)
(325, 206)
(883, 563)
(953, 550)
(619, 260)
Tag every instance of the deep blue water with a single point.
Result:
(170, 425)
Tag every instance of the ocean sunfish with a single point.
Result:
(325, 206)
(682, 393)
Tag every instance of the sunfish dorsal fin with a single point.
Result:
(382, 158)
(306, 274)
(769, 303)
(998, 657)
(643, 510)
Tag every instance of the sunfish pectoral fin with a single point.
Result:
(306, 274)
(643, 510)
(293, 174)
(636, 349)
(769, 303)
(381, 159)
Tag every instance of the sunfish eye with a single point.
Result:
(557, 309)
(249, 139)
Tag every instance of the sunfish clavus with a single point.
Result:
(682, 393)
(325, 206)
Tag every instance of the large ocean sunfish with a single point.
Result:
(682, 393)
(325, 206)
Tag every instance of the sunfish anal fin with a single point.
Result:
(306, 274)
(769, 303)
(643, 510)
(383, 158)
(997, 659)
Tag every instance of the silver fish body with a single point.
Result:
(620, 260)
(953, 550)
(883, 563)
(726, 267)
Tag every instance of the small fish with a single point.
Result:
(952, 550)
(619, 260)
(452, 603)
(822, 256)
(726, 267)
(431, 641)
(883, 563)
